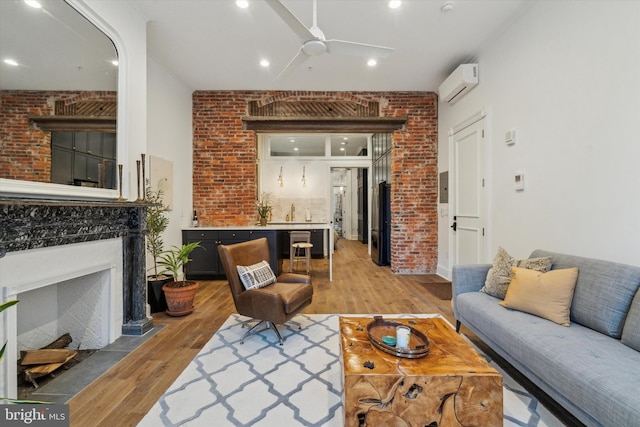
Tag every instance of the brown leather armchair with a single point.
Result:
(271, 305)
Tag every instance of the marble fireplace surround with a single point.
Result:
(44, 242)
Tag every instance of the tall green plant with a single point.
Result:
(176, 258)
(157, 222)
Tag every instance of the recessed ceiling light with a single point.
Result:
(242, 4)
(115, 62)
(295, 149)
(33, 3)
(394, 4)
(264, 63)
(10, 61)
(372, 63)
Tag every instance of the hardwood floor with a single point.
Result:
(124, 394)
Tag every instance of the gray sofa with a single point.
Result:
(592, 367)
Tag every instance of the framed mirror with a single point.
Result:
(58, 96)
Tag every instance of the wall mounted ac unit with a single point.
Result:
(461, 81)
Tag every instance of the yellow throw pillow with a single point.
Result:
(547, 295)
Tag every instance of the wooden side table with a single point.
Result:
(452, 386)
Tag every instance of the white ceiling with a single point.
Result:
(56, 49)
(215, 45)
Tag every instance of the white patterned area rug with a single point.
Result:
(260, 383)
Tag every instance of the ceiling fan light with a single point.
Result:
(314, 47)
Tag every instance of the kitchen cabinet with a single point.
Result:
(205, 264)
(75, 157)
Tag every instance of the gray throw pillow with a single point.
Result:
(500, 274)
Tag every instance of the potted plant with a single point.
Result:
(263, 207)
(179, 293)
(157, 223)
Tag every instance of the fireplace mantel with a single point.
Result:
(27, 224)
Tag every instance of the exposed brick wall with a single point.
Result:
(25, 151)
(414, 188)
(224, 165)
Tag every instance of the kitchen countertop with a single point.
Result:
(269, 226)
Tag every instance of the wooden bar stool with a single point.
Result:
(300, 247)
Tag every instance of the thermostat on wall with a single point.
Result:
(519, 181)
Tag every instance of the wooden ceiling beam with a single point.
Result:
(74, 123)
(324, 124)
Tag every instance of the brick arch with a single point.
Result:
(314, 96)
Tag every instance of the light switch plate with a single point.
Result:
(518, 182)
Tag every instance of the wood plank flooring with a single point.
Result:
(124, 394)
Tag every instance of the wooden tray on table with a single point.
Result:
(379, 328)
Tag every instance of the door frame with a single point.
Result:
(368, 170)
(482, 114)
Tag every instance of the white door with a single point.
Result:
(467, 186)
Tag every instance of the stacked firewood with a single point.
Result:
(46, 360)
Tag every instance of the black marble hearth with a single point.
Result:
(29, 224)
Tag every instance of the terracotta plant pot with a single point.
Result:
(180, 299)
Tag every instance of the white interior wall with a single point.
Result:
(170, 135)
(313, 196)
(565, 77)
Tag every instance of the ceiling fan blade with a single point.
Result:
(291, 20)
(342, 47)
(298, 60)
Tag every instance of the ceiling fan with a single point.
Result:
(314, 42)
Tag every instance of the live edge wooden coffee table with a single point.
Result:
(452, 386)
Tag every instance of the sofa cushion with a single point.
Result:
(257, 275)
(547, 295)
(631, 331)
(603, 292)
(499, 275)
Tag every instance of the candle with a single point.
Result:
(138, 172)
(402, 336)
(144, 182)
(120, 181)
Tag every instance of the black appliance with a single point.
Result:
(381, 224)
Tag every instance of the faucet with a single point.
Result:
(293, 212)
